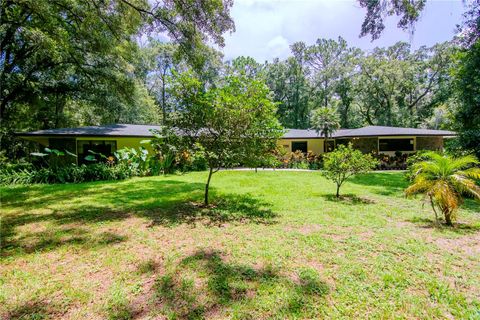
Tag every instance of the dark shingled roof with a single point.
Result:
(309, 133)
(135, 130)
(395, 131)
(125, 130)
(367, 132)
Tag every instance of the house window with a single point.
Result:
(64, 145)
(104, 147)
(299, 145)
(395, 145)
(329, 145)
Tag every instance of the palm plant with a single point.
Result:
(325, 121)
(445, 180)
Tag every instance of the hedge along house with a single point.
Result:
(107, 139)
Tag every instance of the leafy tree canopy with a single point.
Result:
(74, 62)
(230, 124)
(378, 10)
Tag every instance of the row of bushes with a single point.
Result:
(54, 166)
(132, 162)
(312, 161)
(299, 160)
(395, 162)
(66, 174)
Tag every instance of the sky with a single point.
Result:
(266, 28)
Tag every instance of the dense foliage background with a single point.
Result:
(73, 63)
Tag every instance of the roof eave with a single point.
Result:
(27, 134)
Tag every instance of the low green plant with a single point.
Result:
(137, 160)
(66, 174)
(198, 161)
(297, 159)
(18, 176)
(54, 158)
(413, 160)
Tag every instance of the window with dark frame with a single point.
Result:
(329, 145)
(64, 145)
(396, 144)
(104, 147)
(299, 145)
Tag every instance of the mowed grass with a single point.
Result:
(275, 245)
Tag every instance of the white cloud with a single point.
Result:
(264, 29)
(278, 47)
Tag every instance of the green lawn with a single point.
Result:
(275, 245)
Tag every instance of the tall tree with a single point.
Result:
(288, 81)
(161, 60)
(467, 80)
(59, 51)
(401, 88)
(345, 88)
(467, 85)
(245, 66)
(325, 58)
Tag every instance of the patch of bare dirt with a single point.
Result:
(468, 244)
(309, 229)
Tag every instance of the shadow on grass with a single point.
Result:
(229, 208)
(472, 206)
(165, 202)
(459, 228)
(349, 199)
(33, 310)
(383, 183)
(54, 239)
(205, 285)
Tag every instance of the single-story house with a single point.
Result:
(376, 139)
(109, 138)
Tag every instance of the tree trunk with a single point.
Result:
(435, 211)
(164, 107)
(207, 186)
(338, 191)
(448, 218)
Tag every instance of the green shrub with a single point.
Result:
(412, 160)
(198, 162)
(300, 165)
(298, 160)
(346, 162)
(67, 174)
(20, 176)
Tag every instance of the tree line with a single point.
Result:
(68, 63)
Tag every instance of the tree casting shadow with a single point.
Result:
(204, 284)
(349, 199)
(459, 228)
(383, 184)
(166, 202)
(34, 310)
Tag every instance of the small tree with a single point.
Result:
(232, 124)
(345, 162)
(444, 179)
